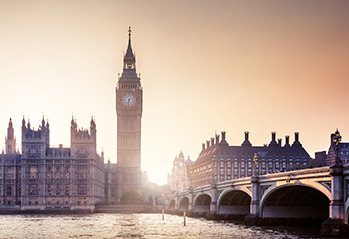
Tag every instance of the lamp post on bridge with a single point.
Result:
(255, 165)
(336, 140)
(335, 225)
(253, 217)
(212, 214)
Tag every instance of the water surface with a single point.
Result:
(136, 226)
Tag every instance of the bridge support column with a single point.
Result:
(335, 225)
(175, 211)
(190, 205)
(212, 214)
(253, 217)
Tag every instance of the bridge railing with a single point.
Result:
(295, 174)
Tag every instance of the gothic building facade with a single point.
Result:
(179, 178)
(10, 172)
(45, 177)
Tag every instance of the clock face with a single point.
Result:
(129, 100)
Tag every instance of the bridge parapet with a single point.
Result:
(320, 185)
(299, 174)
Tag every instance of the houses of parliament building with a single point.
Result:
(42, 177)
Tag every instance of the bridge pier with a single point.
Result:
(175, 211)
(212, 214)
(335, 225)
(253, 218)
(190, 205)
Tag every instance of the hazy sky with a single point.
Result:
(206, 66)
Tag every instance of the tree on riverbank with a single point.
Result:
(131, 197)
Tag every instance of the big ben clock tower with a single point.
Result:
(129, 114)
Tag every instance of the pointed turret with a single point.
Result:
(23, 122)
(10, 131)
(43, 122)
(93, 130)
(10, 140)
(129, 72)
(129, 58)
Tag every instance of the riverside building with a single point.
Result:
(179, 178)
(220, 161)
(45, 177)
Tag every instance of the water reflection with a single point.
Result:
(131, 226)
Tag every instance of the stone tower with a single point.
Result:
(129, 114)
(35, 145)
(10, 140)
(83, 143)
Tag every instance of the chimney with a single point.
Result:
(217, 139)
(273, 136)
(279, 142)
(287, 139)
(273, 141)
(246, 142)
(296, 137)
(203, 146)
(212, 141)
(208, 143)
(223, 137)
(296, 140)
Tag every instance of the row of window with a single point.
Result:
(10, 190)
(249, 157)
(51, 204)
(59, 161)
(270, 159)
(57, 190)
(81, 172)
(276, 165)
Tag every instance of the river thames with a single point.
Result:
(137, 226)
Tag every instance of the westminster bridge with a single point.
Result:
(317, 194)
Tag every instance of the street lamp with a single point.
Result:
(214, 173)
(337, 138)
(255, 165)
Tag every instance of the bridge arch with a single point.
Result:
(202, 203)
(172, 205)
(183, 204)
(234, 202)
(298, 201)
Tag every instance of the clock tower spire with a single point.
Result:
(129, 58)
(129, 100)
